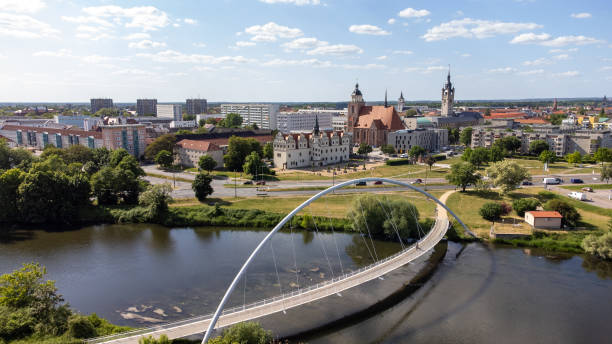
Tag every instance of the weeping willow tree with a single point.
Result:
(383, 216)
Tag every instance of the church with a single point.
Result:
(371, 124)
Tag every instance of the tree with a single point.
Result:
(569, 213)
(201, 186)
(164, 159)
(9, 184)
(467, 153)
(244, 333)
(107, 112)
(509, 143)
(253, 165)
(603, 155)
(453, 135)
(411, 113)
(383, 216)
(163, 339)
(606, 173)
(466, 136)
(268, 150)
(523, 205)
(491, 211)
(430, 161)
(416, 151)
(80, 326)
(207, 163)
(232, 120)
(547, 157)
(488, 112)
(165, 142)
(496, 153)
(479, 156)
(507, 175)
(387, 149)
(538, 146)
(462, 174)
(574, 158)
(600, 246)
(238, 149)
(364, 149)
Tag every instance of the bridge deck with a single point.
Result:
(290, 300)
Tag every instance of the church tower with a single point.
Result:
(448, 97)
(401, 103)
(354, 107)
(604, 103)
(554, 108)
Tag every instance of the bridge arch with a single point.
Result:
(289, 216)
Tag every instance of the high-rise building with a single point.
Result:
(174, 111)
(448, 97)
(264, 115)
(146, 107)
(100, 103)
(303, 120)
(196, 106)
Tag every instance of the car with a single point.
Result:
(248, 182)
(417, 181)
(526, 182)
(361, 184)
(577, 195)
(549, 181)
(576, 181)
(378, 182)
(587, 189)
(261, 182)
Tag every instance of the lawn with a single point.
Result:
(383, 171)
(594, 186)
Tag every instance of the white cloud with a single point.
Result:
(22, 6)
(199, 44)
(271, 31)
(190, 21)
(472, 28)
(87, 20)
(391, 21)
(537, 62)
(367, 29)
(424, 70)
(58, 53)
(568, 74)
(383, 57)
(146, 44)
(137, 36)
(242, 44)
(548, 41)
(583, 15)
(66, 53)
(293, 2)
(178, 57)
(466, 55)
(503, 70)
(412, 13)
(147, 18)
(557, 51)
(561, 57)
(402, 52)
(532, 72)
(304, 43)
(336, 49)
(23, 26)
(319, 64)
(133, 72)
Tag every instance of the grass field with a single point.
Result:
(383, 171)
(594, 186)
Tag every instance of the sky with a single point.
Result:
(302, 50)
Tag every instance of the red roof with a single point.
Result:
(531, 121)
(79, 132)
(387, 116)
(549, 214)
(199, 145)
(503, 115)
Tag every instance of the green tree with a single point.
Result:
(253, 165)
(411, 113)
(606, 173)
(479, 156)
(523, 205)
(416, 151)
(387, 149)
(429, 161)
(453, 135)
(207, 163)
(600, 246)
(467, 153)
(243, 333)
(163, 339)
(574, 158)
(509, 143)
(107, 112)
(496, 154)
(9, 184)
(16, 157)
(237, 151)
(232, 120)
(462, 174)
(466, 136)
(491, 211)
(79, 326)
(165, 142)
(364, 149)
(557, 118)
(507, 175)
(268, 151)
(538, 146)
(383, 216)
(156, 198)
(164, 159)
(569, 213)
(603, 155)
(201, 186)
(488, 112)
(547, 157)
(112, 185)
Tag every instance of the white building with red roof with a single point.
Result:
(544, 219)
(188, 152)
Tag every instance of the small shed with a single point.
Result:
(544, 219)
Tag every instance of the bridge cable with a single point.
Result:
(277, 276)
(331, 223)
(368, 228)
(393, 225)
(244, 291)
(322, 245)
(297, 278)
(416, 220)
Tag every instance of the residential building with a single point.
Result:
(40, 137)
(317, 148)
(544, 219)
(264, 115)
(221, 136)
(146, 107)
(371, 124)
(83, 122)
(174, 111)
(196, 106)
(188, 152)
(432, 140)
(339, 122)
(303, 121)
(205, 117)
(183, 124)
(100, 103)
(130, 137)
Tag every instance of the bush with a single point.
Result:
(163, 339)
(506, 208)
(243, 333)
(523, 205)
(79, 326)
(569, 213)
(491, 211)
(599, 246)
(439, 157)
(201, 186)
(397, 162)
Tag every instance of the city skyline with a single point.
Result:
(273, 50)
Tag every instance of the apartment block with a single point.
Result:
(432, 140)
(100, 103)
(173, 111)
(196, 106)
(146, 107)
(303, 121)
(264, 115)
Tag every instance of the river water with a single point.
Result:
(138, 274)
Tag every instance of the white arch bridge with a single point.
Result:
(225, 317)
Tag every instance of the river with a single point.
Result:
(136, 274)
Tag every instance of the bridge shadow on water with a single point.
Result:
(394, 299)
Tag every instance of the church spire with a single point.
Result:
(386, 98)
(316, 126)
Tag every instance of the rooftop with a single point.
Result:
(543, 214)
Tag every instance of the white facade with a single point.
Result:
(174, 111)
(307, 150)
(183, 124)
(205, 117)
(303, 121)
(339, 122)
(83, 122)
(264, 115)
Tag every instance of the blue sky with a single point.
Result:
(302, 50)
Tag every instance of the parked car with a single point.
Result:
(248, 182)
(404, 156)
(526, 182)
(378, 182)
(576, 181)
(361, 184)
(577, 195)
(261, 182)
(587, 189)
(551, 181)
(417, 181)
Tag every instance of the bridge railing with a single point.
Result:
(147, 330)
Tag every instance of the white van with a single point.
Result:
(577, 195)
(550, 181)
